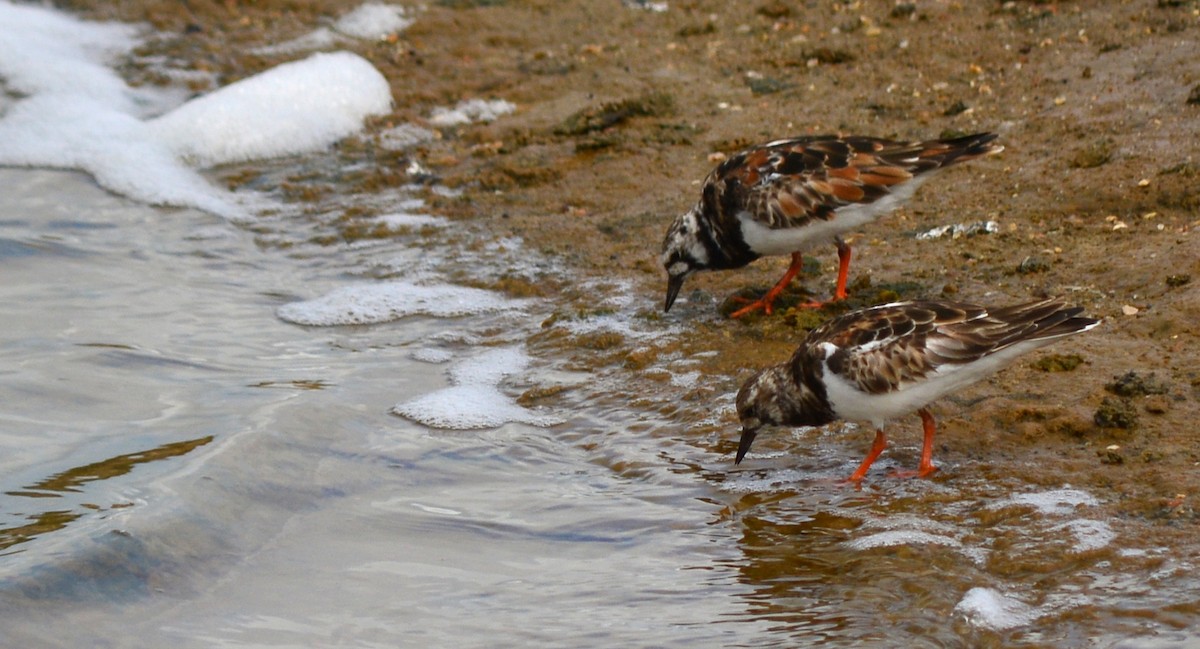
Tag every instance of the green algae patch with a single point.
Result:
(1058, 362)
(1115, 412)
(600, 340)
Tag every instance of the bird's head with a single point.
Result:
(683, 253)
(758, 406)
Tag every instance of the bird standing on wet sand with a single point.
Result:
(780, 197)
(879, 363)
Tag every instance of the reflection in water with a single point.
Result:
(72, 481)
(42, 523)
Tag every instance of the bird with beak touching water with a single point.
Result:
(781, 197)
(880, 363)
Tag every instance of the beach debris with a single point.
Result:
(957, 230)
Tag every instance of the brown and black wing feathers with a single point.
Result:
(789, 183)
(881, 348)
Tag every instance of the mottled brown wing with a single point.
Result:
(998, 328)
(789, 183)
(792, 182)
(880, 348)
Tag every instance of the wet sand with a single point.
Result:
(621, 111)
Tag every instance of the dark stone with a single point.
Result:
(1116, 413)
(1132, 384)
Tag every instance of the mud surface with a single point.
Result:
(623, 110)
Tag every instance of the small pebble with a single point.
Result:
(1033, 264)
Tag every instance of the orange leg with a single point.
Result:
(843, 269)
(926, 467)
(876, 448)
(839, 292)
(765, 301)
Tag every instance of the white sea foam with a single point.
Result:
(901, 537)
(907, 522)
(72, 111)
(1054, 502)
(472, 110)
(295, 107)
(432, 355)
(370, 21)
(753, 482)
(383, 302)
(990, 609)
(405, 220)
(621, 302)
(373, 21)
(686, 379)
(474, 400)
(43, 51)
(404, 136)
(1089, 534)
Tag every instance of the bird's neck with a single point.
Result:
(723, 239)
(805, 403)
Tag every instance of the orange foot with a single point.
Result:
(765, 302)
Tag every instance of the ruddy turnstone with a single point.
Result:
(777, 198)
(879, 363)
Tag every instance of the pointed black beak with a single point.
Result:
(674, 283)
(744, 443)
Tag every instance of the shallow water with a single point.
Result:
(183, 467)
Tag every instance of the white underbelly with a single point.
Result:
(852, 404)
(784, 241)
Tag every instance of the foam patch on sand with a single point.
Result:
(72, 111)
(368, 22)
(475, 401)
(292, 108)
(374, 303)
(471, 110)
(373, 21)
(406, 220)
(618, 304)
(405, 135)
